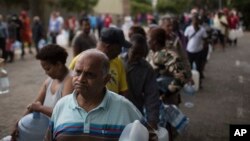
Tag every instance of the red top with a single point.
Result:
(233, 21)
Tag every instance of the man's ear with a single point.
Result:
(108, 45)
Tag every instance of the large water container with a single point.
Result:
(176, 118)
(4, 79)
(134, 132)
(33, 127)
(196, 79)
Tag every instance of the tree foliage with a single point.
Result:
(173, 6)
(179, 6)
(78, 5)
(140, 6)
(243, 7)
(10, 3)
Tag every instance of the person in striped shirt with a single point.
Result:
(91, 113)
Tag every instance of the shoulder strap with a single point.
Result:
(194, 33)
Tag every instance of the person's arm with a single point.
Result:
(123, 87)
(176, 68)
(37, 105)
(184, 56)
(40, 98)
(224, 22)
(186, 32)
(151, 99)
(6, 31)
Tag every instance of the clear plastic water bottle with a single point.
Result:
(4, 80)
(176, 118)
(189, 91)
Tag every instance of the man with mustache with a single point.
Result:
(92, 112)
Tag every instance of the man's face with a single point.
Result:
(135, 52)
(88, 78)
(86, 27)
(50, 69)
(167, 26)
(195, 22)
(111, 50)
(114, 50)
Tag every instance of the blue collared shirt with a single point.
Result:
(108, 119)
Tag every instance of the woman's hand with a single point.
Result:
(36, 106)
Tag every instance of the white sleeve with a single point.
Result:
(204, 33)
(186, 32)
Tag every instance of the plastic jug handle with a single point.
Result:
(36, 115)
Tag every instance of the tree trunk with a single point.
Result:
(38, 8)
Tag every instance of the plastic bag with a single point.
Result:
(232, 34)
(63, 39)
(17, 47)
(239, 33)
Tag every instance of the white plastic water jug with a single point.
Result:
(162, 134)
(196, 79)
(134, 132)
(4, 79)
(33, 127)
(189, 89)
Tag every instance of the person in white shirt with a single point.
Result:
(221, 24)
(196, 39)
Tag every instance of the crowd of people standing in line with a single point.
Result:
(108, 71)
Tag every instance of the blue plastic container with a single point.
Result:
(33, 127)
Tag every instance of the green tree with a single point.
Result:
(37, 10)
(24, 4)
(10, 3)
(243, 7)
(78, 5)
(141, 6)
(173, 6)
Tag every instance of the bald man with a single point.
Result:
(91, 112)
